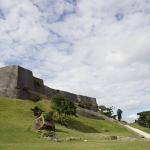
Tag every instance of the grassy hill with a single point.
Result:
(17, 133)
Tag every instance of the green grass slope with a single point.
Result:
(17, 133)
(135, 125)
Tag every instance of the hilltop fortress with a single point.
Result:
(16, 76)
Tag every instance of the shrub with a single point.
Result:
(17, 87)
(48, 116)
(86, 105)
(26, 88)
(34, 96)
(63, 106)
(37, 111)
(37, 83)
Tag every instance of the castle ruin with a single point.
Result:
(16, 76)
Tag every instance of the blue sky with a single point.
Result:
(96, 48)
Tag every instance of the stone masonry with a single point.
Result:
(16, 76)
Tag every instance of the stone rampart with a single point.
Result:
(86, 99)
(8, 76)
(25, 78)
(38, 85)
(16, 76)
(88, 113)
(49, 92)
(70, 96)
(8, 80)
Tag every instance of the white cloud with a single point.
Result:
(86, 47)
(131, 118)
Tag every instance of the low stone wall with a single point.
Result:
(113, 137)
(88, 113)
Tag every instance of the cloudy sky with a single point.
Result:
(98, 48)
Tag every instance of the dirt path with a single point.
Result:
(139, 131)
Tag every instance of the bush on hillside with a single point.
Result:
(48, 116)
(63, 106)
(86, 105)
(37, 111)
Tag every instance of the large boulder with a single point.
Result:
(41, 124)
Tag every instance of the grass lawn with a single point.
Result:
(17, 133)
(79, 145)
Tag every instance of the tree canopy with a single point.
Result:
(63, 106)
(106, 111)
(119, 114)
(144, 119)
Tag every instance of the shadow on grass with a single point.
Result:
(80, 126)
(58, 130)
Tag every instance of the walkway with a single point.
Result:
(138, 131)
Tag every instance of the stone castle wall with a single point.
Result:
(25, 78)
(16, 76)
(89, 114)
(49, 92)
(38, 85)
(71, 96)
(8, 80)
(86, 99)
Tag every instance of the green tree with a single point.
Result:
(144, 119)
(63, 106)
(102, 108)
(106, 111)
(119, 114)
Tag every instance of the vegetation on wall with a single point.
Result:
(32, 95)
(86, 105)
(37, 83)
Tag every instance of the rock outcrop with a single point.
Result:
(40, 123)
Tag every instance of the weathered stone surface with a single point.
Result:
(25, 78)
(38, 85)
(109, 137)
(88, 113)
(70, 96)
(81, 98)
(8, 80)
(49, 92)
(40, 123)
(112, 137)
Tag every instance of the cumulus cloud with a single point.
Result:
(131, 118)
(87, 47)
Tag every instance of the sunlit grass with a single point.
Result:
(17, 133)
